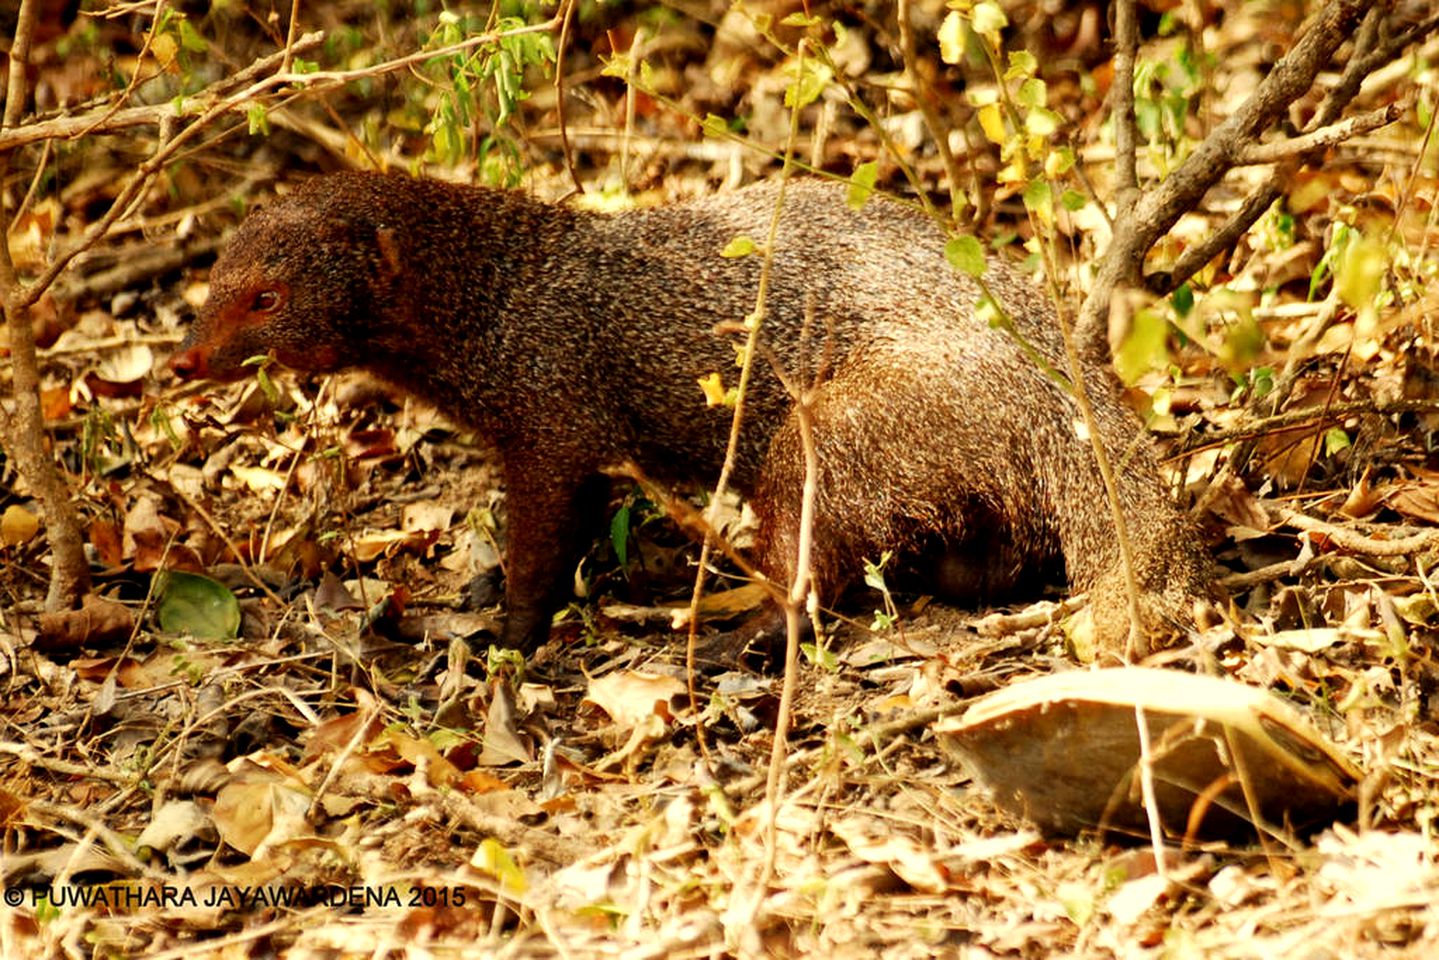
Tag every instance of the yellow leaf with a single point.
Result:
(713, 387)
(17, 525)
(495, 860)
(951, 38)
(991, 121)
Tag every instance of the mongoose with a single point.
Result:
(574, 341)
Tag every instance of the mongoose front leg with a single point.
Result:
(552, 509)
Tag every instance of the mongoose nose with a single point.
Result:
(188, 364)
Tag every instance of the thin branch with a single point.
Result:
(567, 14)
(1323, 138)
(1354, 542)
(316, 82)
(924, 99)
(1121, 92)
(1307, 418)
(1164, 282)
(291, 36)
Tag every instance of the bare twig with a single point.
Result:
(1309, 417)
(1322, 138)
(924, 99)
(567, 14)
(1126, 136)
(1354, 542)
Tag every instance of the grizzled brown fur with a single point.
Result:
(573, 341)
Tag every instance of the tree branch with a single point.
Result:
(1158, 210)
(1321, 139)
(25, 431)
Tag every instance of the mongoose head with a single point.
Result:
(302, 280)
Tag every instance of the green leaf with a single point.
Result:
(188, 603)
(861, 184)
(1359, 273)
(1041, 122)
(1261, 382)
(259, 120)
(620, 535)
(1021, 64)
(617, 66)
(715, 125)
(1033, 93)
(810, 77)
(741, 246)
(1145, 348)
(494, 859)
(1039, 200)
(966, 254)
(1182, 299)
(874, 573)
(800, 19)
(190, 39)
(822, 657)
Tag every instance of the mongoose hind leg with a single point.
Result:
(902, 464)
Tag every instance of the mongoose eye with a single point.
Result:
(265, 301)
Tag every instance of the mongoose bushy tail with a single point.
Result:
(575, 341)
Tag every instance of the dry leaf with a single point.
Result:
(1063, 750)
(98, 622)
(629, 696)
(18, 525)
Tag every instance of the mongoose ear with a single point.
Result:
(389, 250)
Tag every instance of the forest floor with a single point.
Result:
(348, 767)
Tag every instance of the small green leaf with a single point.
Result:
(190, 39)
(861, 184)
(874, 572)
(822, 657)
(800, 19)
(494, 859)
(1145, 348)
(188, 603)
(1039, 200)
(1182, 299)
(810, 77)
(617, 66)
(1359, 273)
(741, 246)
(715, 125)
(259, 120)
(1033, 93)
(966, 254)
(1041, 122)
(1021, 64)
(1261, 381)
(620, 535)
